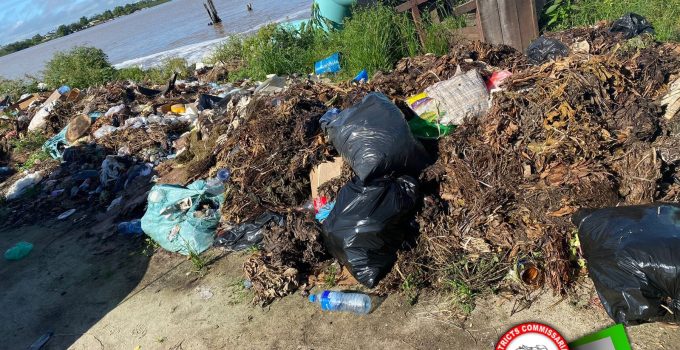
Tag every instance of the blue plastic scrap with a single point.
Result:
(331, 64)
(324, 211)
(362, 76)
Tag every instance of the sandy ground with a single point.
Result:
(96, 294)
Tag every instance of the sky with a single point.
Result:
(22, 19)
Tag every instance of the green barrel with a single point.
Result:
(335, 10)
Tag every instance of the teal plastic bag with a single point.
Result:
(19, 251)
(52, 145)
(183, 219)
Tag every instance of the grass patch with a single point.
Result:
(29, 143)
(156, 75)
(374, 38)
(331, 276)
(664, 15)
(467, 279)
(34, 159)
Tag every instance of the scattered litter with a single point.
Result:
(22, 185)
(546, 49)
(632, 25)
(330, 64)
(66, 214)
(249, 234)
(18, 251)
(204, 292)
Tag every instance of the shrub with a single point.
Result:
(80, 67)
(155, 75)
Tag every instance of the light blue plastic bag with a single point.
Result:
(173, 216)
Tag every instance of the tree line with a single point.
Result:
(83, 23)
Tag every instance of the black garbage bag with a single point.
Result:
(543, 49)
(369, 224)
(374, 138)
(206, 101)
(633, 259)
(632, 25)
(249, 234)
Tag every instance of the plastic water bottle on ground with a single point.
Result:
(357, 303)
(131, 228)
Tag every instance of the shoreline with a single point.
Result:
(197, 52)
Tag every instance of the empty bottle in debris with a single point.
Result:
(223, 175)
(357, 303)
(130, 228)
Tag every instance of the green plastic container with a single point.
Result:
(335, 10)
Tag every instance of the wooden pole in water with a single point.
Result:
(209, 13)
(216, 18)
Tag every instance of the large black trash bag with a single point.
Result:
(544, 49)
(632, 25)
(374, 138)
(369, 224)
(249, 234)
(633, 256)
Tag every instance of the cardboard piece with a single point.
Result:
(325, 172)
(78, 127)
(26, 102)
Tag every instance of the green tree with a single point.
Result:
(84, 21)
(63, 30)
(80, 67)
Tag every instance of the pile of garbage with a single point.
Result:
(465, 168)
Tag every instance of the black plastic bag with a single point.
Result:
(544, 49)
(374, 138)
(248, 234)
(632, 25)
(369, 224)
(633, 259)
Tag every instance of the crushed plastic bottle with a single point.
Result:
(357, 303)
(131, 228)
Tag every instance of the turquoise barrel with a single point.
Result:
(335, 10)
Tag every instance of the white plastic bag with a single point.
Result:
(104, 130)
(20, 186)
(463, 96)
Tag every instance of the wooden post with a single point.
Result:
(212, 12)
(217, 18)
(415, 12)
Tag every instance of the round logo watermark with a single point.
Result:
(532, 336)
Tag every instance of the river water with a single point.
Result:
(175, 29)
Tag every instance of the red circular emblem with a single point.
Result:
(532, 336)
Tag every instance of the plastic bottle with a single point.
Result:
(223, 175)
(338, 301)
(131, 228)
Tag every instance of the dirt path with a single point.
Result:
(108, 295)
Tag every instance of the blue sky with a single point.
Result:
(21, 19)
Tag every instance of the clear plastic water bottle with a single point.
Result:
(357, 303)
(131, 228)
